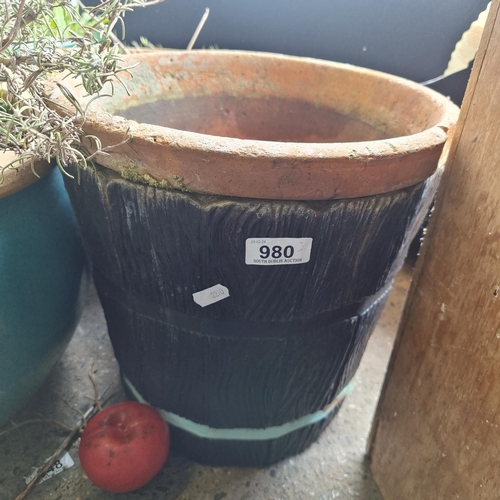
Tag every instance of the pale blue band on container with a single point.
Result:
(242, 434)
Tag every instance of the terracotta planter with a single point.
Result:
(244, 253)
(44, 276)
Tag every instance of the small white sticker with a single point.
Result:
(64, 462)
(211, 295)
(277, 251)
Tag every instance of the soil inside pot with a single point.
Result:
(267, 119)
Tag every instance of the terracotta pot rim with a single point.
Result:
(344, 161)
(294, 150)
(255, 148)
(15, 180)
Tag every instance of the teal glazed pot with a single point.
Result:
(43, 278)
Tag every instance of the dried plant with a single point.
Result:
(40, 38)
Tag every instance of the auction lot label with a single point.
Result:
(277, 251)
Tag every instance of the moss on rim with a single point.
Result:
(131, 173)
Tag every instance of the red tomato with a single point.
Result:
(124, 446)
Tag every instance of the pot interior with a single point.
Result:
(266, 119)
(270, 98)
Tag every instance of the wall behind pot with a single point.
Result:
(410, 38)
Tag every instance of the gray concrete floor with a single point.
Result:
(335, 467)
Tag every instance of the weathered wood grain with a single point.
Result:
(286, 340)
(437, 428)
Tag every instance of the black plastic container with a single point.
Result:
(256, 376)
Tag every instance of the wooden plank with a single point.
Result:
(436, 432)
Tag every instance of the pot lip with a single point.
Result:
(341, 155)
(13, 180)
(296, 150)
